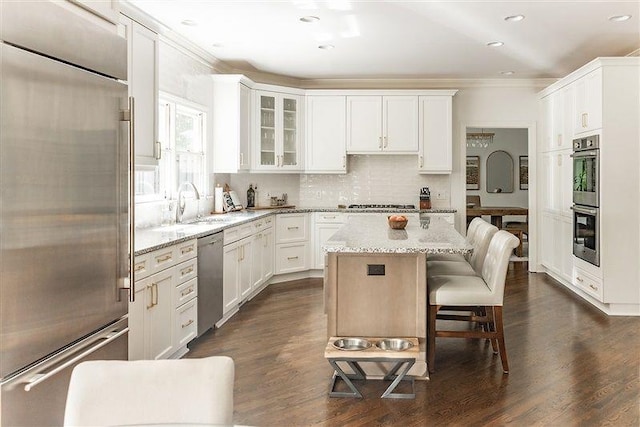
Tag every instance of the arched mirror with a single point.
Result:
(499, 172)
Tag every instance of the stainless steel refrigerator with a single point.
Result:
(65, 237)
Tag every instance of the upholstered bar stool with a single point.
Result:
(482, 237)
(486, 291)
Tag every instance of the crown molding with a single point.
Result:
(418, 83)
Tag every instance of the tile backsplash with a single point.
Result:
(374, 179)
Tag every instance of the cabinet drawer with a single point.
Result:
(186, 271)
(162, 258)
(186, 323)
(186, 292)
(291, 257)
(330, 217)
(186, 250)
(268, 221)
(234, 234)
(291, 228)
(142, 266)
(588, 283)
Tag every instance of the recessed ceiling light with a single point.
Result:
(620, 18)
(507, 73)
(495, 44)
(326, 46)
(309, 19)
(189, 23)
(217, 45)
(514, 18)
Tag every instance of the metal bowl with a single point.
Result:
(394, 344)
(352, 344)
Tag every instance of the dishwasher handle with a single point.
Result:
(211, 240)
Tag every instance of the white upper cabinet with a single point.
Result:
(558, 119)
(143, 87)
(278, 130)
(382, 124)
(231, 123)
(588, 103)
(326, 134)
(435, 134)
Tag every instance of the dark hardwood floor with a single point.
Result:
(570, 365)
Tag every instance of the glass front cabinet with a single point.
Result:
(278, 128)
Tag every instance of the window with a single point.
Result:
(182, 133)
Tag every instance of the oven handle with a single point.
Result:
(582, 210)
(584, 154)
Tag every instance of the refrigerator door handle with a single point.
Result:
(129, 282)
(39, 377)
(38, 373)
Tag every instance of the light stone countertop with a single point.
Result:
(373, 235)
(150, 239)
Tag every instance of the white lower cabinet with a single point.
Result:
(588, 283)
(556, 250)
(326, 224)
(262, 249)
(154, 316)
(236, 273)
(292, 243)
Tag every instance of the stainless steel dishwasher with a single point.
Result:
(209, 281)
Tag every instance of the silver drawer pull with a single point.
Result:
(187, 250)
(292, 228)
(579, 279)
(329, 217)
(594, 287)
(292, 257)
(187, 271)
(184, 325)
(189, 291)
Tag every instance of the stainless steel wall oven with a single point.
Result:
(586, 233)
(586, 171)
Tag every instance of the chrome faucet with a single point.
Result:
(182, 204)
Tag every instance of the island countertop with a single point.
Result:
(373, 235)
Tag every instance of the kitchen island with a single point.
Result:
(375, 278)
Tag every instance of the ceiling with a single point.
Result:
(403, 39)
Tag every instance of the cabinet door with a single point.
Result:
(257, 249)
(137, 311)
(565, 237)
(564, 186)
(323, 232)
(326, 134)
(268, 251)
(557, 125)
(266, 138)
(567, 117)
(588, 102)
(231, 117)
(288, 139)
(400, 124)
(159, 315)
(244, 267)
(546, 114)
(230, 277)
(364, 124)
(435, 134)
(143, 86)
(547, 251)
(546, 181)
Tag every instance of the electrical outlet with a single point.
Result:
(318, 194)
(441, 195)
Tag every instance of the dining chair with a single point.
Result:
(471, 238)
(481, 239)
(486, 291)
(184, 391)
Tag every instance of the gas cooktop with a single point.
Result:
(374, 206)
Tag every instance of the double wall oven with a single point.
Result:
(586, 198)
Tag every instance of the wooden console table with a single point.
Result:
(496, 213)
